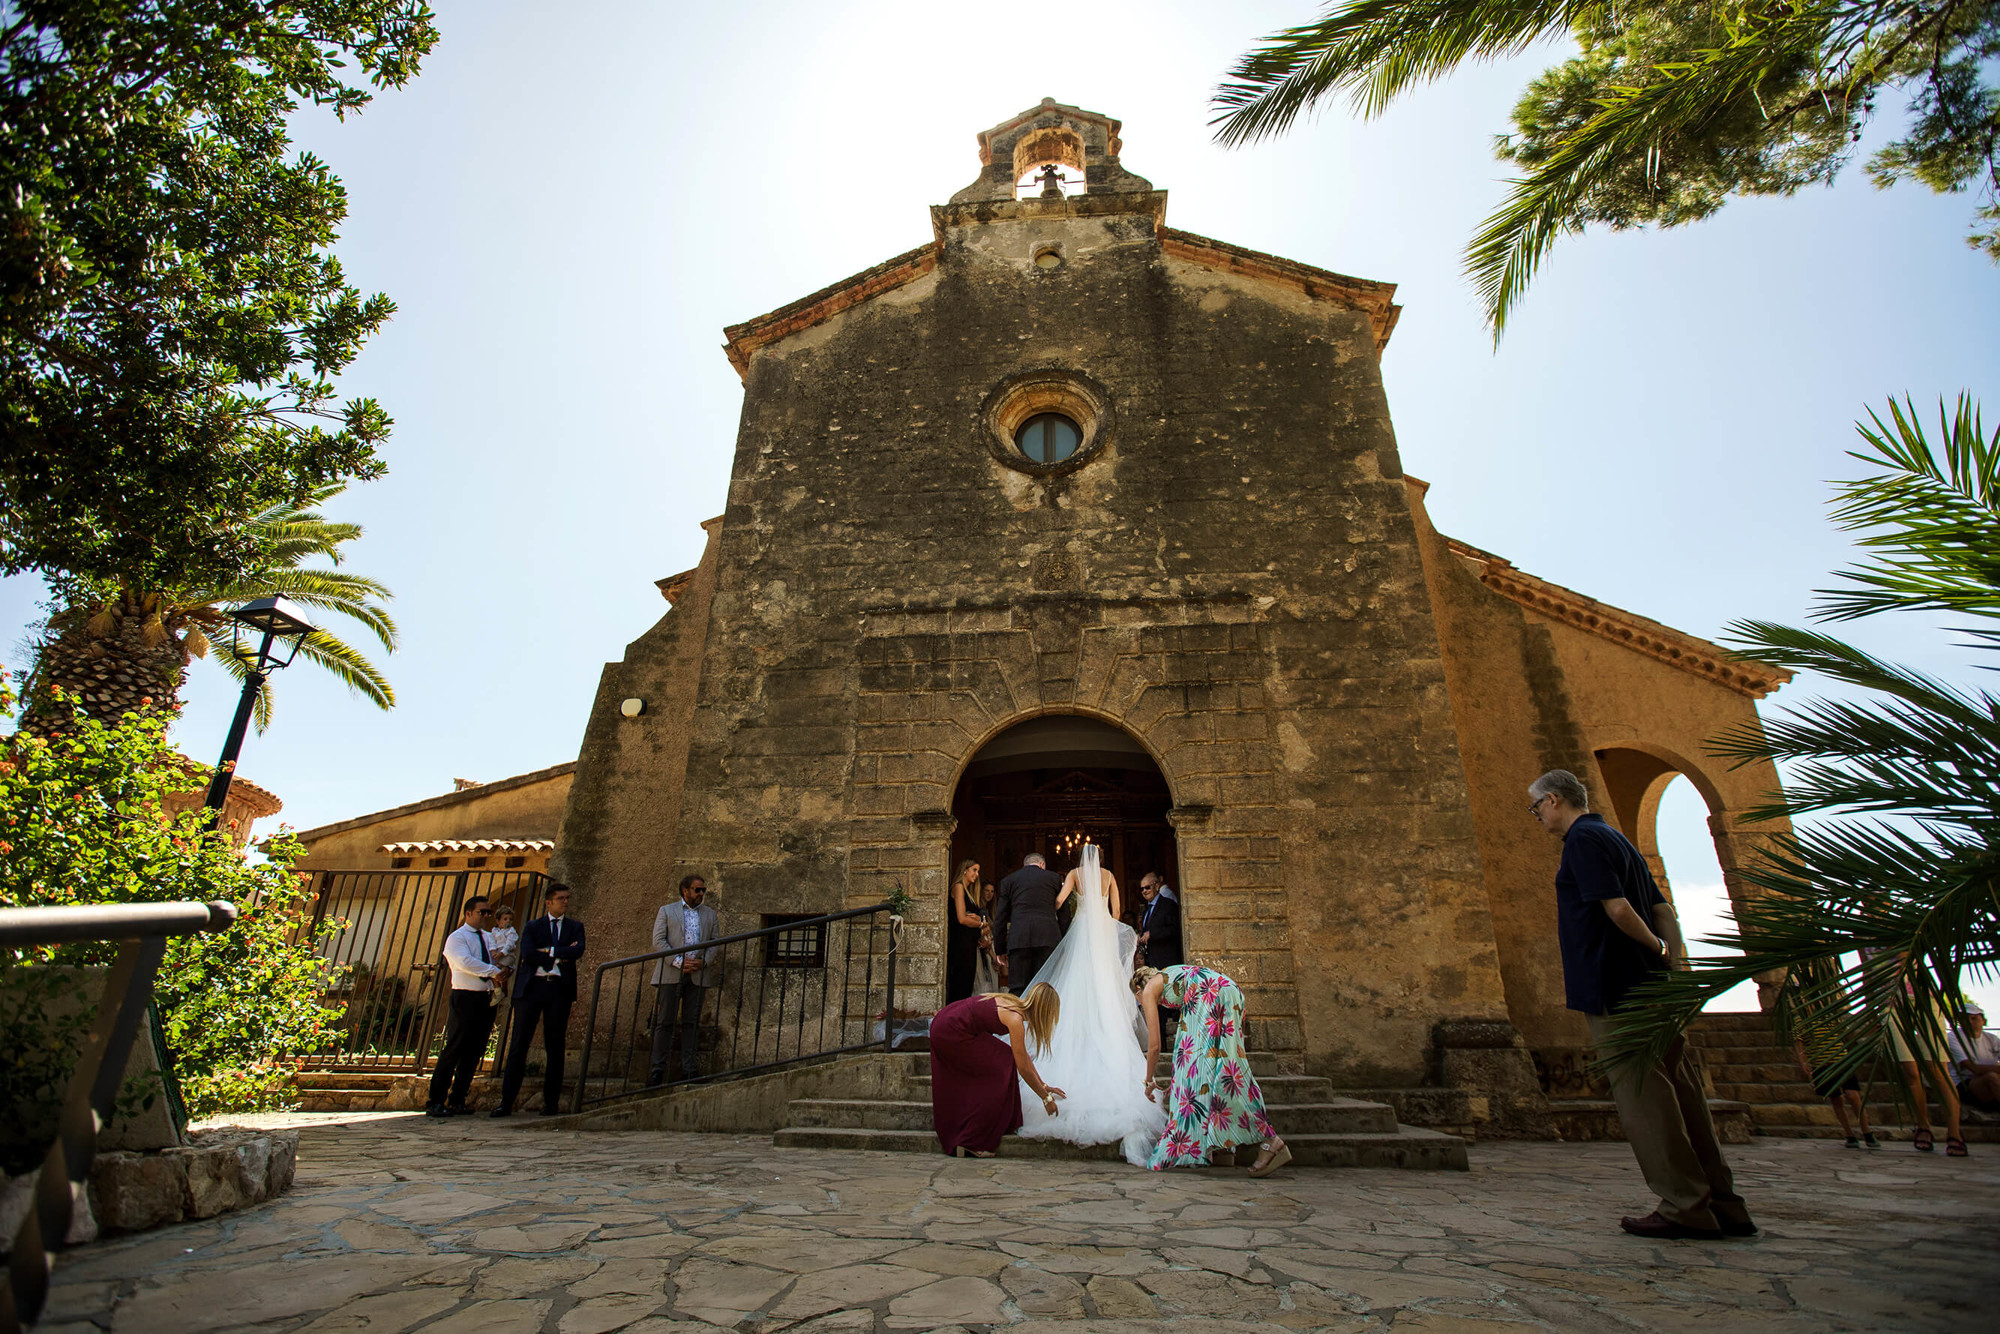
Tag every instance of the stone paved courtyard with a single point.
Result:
(466, 1227)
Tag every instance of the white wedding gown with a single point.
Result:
(1097, 1054)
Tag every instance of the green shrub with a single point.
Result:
(83, 820)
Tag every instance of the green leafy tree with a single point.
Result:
(1906, 780)
(109, 655)
(84, 819)
(1668, 108)
(172, 318)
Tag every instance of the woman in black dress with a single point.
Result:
(961, 953)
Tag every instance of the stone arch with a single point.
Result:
(1635, 776)
(1052, 145)
(1045, 781)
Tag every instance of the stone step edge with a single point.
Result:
(1336, 1104)
(1432, 1142)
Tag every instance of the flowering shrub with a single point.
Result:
(83, 820)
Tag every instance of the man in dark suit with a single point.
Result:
(1159, 923)
(544, 989)
(1024, 920)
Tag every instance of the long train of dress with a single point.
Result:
(1097, 1054)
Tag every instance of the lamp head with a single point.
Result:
(280, 618)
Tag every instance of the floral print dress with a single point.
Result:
(1214, 1101)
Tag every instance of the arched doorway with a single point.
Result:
(1053, 783)
(1671, 811)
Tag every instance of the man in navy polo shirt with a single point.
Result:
(1616, 928)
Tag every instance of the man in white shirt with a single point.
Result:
(1975, 1059)
(469, 1021)
(681, 980)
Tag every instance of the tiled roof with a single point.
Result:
(434, 803)
(437, 845)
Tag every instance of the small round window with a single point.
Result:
(1048, 437)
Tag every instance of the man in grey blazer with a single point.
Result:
(681, 981)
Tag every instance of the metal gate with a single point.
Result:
(385, 957)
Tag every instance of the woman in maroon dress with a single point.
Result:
(975, 1097)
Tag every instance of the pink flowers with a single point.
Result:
(1230, 1079)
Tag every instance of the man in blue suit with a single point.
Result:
(544, 989)
(1159, 924)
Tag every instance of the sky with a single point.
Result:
(567, 214)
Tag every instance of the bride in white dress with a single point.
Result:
(1098, 1050)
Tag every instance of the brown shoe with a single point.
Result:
(1657, 1227)
(1271, 1159)
(1732, 1217)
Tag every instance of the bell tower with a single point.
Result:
(1050, 136)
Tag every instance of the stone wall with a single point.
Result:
(1534, 690)
(1230, 572)
(618, 841)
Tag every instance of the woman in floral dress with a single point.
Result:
(1213, 1103)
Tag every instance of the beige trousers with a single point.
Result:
(1668, 1126)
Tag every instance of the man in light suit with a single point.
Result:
(544, 990)
(680, 981)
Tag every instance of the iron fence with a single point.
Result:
(385, 957)
(794, 990)
(91, 1096)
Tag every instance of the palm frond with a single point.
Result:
(285, 536)
(1373, 50)
(347, 666)
(1879, 910)
(1936, 520)
(1631, 124)
(239, 660)
(1924, 911)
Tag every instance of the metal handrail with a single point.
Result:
(22, 927)
(704, 946)
(92, 1094)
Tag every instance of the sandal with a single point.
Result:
(1922, 1141)
(1271, 1158)
(962, 1152)
(1954, 1147)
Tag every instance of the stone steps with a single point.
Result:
(1289, 1089)
(1747, 1066)
(1597, 1119)
(1344, 1116)
(1407, 1147)
(1324, 1129)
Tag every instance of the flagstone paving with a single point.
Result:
(399, 1223)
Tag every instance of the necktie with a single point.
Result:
(484, 957)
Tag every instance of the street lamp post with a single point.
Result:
(284, 628)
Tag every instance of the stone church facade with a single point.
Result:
(1067, 523)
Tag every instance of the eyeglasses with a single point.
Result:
(696, 889)
(1535, 806)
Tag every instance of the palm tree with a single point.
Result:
(113, 654)
(1904, 865)
(1665, 111)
